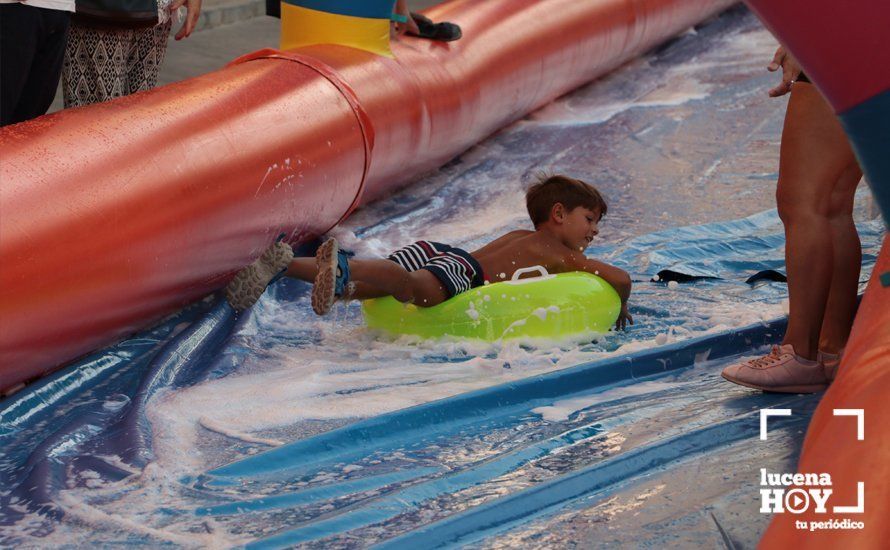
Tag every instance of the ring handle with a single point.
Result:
(541, 270)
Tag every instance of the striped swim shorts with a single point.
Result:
(455, 268)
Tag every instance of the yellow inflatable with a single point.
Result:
(546, 306)
(362, 24)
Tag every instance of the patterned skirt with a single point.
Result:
(102, 64)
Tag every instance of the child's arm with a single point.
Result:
(617, 277)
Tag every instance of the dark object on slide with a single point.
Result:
(667, 275)
(767, 275)
(443, 32)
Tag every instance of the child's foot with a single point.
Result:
(249, 283)
(332, 279)
(781, 371)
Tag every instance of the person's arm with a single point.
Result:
(617, 277)
(790, 71)
(193, 10)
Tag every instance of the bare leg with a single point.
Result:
(364, 291)
(814, 156)
(841, 306)
(420, 287)
(378, 278)
(306, 269)
(817, 181)
(303, 269)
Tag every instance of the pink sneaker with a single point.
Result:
(781, 371)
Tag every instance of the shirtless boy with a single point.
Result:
(565, 213)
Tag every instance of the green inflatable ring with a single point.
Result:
(547, 306)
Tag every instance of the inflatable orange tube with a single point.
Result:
(831, 445)
(119, 213)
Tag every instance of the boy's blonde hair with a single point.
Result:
(570, 192)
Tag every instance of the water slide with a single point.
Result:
(278, 429)
(198, 177)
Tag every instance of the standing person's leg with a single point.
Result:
(19, 26)
(814, 164)
(32, 44)
(841, 306)
(76, 63)
(47, 69)
(146, 55)
(95, 67)
(814, 156)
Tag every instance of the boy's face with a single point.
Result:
(578, 226)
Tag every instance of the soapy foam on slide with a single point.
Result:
(352, 373)
(561, 410)
(682, 89)
(676, 86)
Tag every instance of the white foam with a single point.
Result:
(364, 248)
(353, 373)
(247, 438)
(75, 507)
(562, 410)
(472, 312)
(679, 84)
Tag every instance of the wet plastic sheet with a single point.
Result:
(278, 428)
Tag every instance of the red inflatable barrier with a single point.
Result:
(842, 47)
(116, 214)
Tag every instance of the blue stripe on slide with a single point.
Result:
(502, 513)
(373, 9)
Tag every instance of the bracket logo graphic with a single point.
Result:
(796, 493)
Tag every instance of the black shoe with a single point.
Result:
(443, 32)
